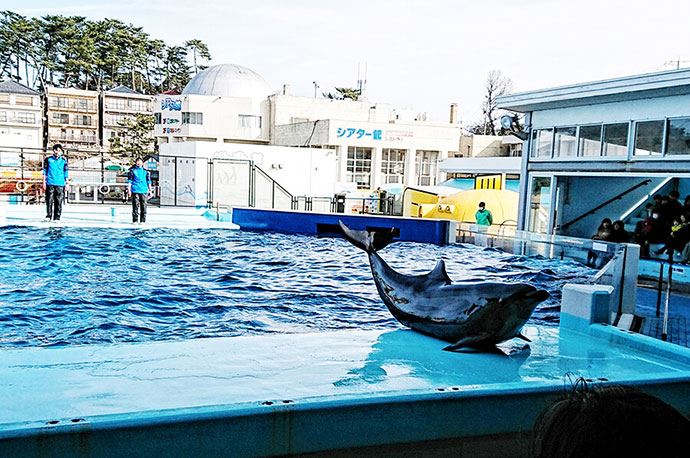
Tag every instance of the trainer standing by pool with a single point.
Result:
(483, 216)
(55, 172)
(139, 186)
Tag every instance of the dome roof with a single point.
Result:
(228, 80)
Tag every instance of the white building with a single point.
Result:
(601, 149)
(72, 118)
(374, 144)
(20, 116)
(222, 104)
(119, 105)
(373, 154)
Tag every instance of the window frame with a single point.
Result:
(353, 162)
(534, 142)
(667, 120)
(648, 157)
(577, 142)
(601, 141)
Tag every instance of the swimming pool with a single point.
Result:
(70, 286)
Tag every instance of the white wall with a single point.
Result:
(19, 134)
(20, 137)
(638, 110)
(220, 118)
(301, 171)
(287, 109)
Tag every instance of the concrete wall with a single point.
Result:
(301, 134)
(482, 146)
(287, 109)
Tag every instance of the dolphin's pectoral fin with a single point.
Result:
(520, 336)
(469, 341)
(439, 273)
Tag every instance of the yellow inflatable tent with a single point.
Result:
(463, 205)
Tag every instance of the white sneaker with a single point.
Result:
(47, 219)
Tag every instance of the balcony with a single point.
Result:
(72, 122)
(124, 108)
(74, 138)
(73, 105)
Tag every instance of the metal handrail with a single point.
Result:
(600, 206)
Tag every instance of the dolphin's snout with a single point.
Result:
(538, 295)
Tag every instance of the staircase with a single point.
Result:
(638, 212)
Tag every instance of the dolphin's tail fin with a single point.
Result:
(367, 240)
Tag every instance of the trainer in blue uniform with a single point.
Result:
(139, 186)
(55, 174)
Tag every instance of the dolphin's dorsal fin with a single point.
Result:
(439, 273)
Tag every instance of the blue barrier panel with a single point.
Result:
(326, 224)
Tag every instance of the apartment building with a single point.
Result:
(119, 105)
(72, 118)
(20, 116)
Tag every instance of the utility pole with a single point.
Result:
(316, 88)
(361, 79)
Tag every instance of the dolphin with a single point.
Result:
(468, 314)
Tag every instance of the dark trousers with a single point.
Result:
(138, 207)
(54, 197)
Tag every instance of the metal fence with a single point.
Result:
(94, 176)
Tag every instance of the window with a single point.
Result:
(26, 118)
(192, 118)
(117, 104)
(58, 102)
(116, 119)
(678, 137)
(61, 118)
(542, 142)
(3, 116)
(616, 139)
(427, 164)
(540, 205)
(82, 104)
(23, 100)
(359, 166)
(648, 138)
(249, 121)
(157, 118)
(138, 105)
(82, 120)
(565, 142)
(590, 140)
(393, 165)
(5, 98)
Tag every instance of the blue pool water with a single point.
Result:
(66, 286)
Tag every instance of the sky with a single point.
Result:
(419, 55)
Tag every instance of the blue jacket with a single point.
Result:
(55, 170)
(139, 179)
